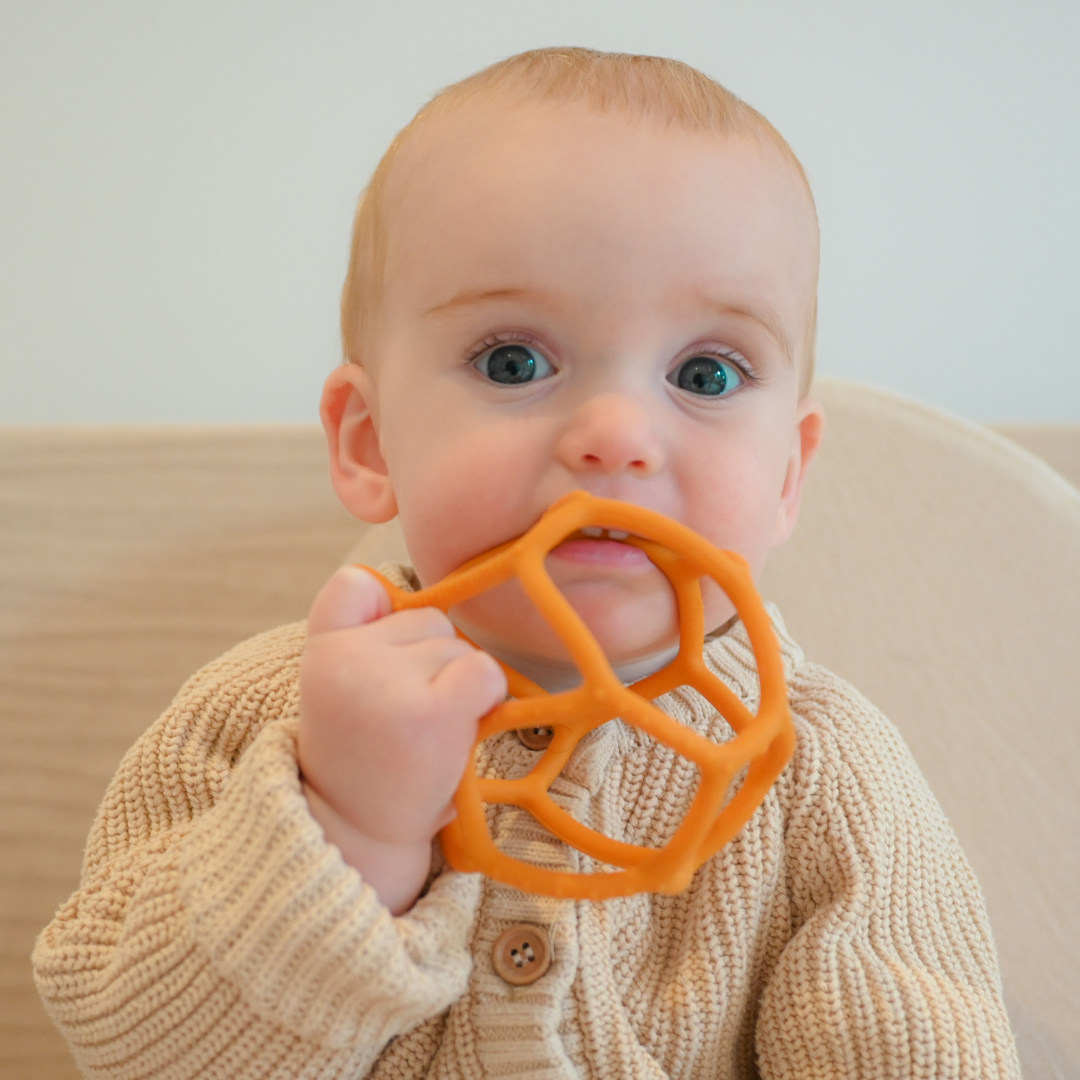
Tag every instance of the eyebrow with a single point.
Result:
(472, 297)
(762, 316)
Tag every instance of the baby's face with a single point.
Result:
(582, 300)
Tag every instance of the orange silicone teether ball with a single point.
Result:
(763, 742)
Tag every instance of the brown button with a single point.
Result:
(535, 738)
(522, 954)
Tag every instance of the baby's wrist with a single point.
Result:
(396, 871)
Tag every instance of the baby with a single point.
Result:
(571, 271)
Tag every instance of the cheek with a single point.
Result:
(741, 508)
(440, 505)
(461, 490)
(735, 506)
(429, 478)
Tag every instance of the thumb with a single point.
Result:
(352, 597)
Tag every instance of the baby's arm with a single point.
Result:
(389, 705)
(891, 970)
(215, 932)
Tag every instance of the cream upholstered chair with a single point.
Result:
(937, 566)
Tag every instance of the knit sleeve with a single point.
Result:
(215, 933)
(890, 970)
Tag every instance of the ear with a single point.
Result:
(809, 428)
(357, 468)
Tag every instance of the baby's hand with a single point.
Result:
(389, 705)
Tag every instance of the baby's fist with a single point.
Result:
(389, 705)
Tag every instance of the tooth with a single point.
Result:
(617, 534)
(592, 530)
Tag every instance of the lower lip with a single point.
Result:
(602, 553)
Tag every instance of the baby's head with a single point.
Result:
(579, 270)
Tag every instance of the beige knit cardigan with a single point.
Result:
(216, 934)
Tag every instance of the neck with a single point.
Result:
(556, 676)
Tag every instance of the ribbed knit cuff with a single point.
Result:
(305, 941)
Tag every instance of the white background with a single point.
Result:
(177, 184)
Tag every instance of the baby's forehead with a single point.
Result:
(489, 188)
(484, 128)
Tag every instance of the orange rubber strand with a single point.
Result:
(762, 744)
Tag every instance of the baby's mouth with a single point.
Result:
(599, 546)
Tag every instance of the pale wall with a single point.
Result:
(177, 184)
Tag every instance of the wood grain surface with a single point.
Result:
(128, 558)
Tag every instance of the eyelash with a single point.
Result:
(493, 341)
(735, 359)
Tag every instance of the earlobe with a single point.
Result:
(357, 469)
(809, 429)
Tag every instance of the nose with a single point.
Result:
(611, 433)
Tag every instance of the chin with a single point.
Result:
(628, 641)
(627, 625)
(626, 632)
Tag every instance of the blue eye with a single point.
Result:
(707, 376)
(514, 364)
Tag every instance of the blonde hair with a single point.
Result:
(667, 90)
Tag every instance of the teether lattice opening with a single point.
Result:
(761, 746)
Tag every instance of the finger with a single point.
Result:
(474, 684)
(429, 656)
(352, 597)
(414, 625)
